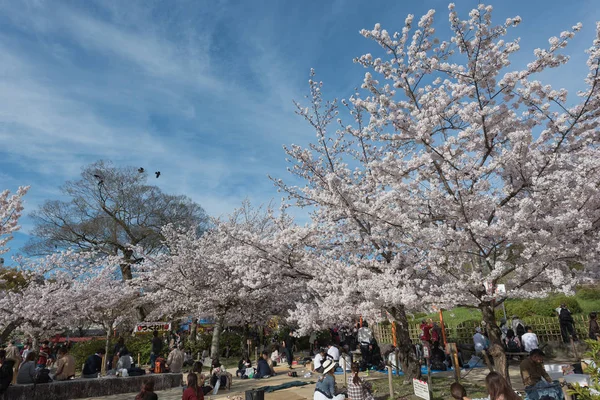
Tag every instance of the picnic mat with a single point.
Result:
(287, 385)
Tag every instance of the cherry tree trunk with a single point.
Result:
(194, 331)
(407, 354)
(214, 347)
(496, 349)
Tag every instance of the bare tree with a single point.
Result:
(110, 210)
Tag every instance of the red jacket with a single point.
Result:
(190, 394)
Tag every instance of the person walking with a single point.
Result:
(147, 392)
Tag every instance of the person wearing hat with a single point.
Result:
(326, 389)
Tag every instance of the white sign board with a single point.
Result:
(421, 389)
(499, 289)
(144, 327)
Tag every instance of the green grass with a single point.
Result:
(458, 315)
(440, 388)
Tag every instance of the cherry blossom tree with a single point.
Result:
(11, 208)
(216, 275)
(457, 170)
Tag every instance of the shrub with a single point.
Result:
(540, 307)
(589, 293)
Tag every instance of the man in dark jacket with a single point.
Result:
(156, 349)
(93, 365)
(567, 328)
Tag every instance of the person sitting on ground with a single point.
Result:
(458, 391)
(532, 369)
(65, 366)
(498, 388)
(243, 365)
(437, 358)
(333, 353)
(529, 340)
(93, 364)
(147, 392)
(220, 375)
(326, 388)
(175, 359)
(160, 364)
(318, 361)
(357, 388)
(345, 362)
(193, 391)
(479, 341)
(118, 351)
(125, 359)
(275, 355)
(201, 378)
(262, 367)
(271, 364)
(512, 342)
(26, 373)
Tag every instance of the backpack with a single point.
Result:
(512, 346)
(42, 375)
(520, 329)
(565, 315)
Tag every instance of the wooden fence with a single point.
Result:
(546, 329)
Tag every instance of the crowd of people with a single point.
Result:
(54, 362)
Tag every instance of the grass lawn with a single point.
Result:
(441, 389)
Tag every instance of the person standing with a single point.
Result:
(44, 355)
(567, 324)
(288, 344)
(156, 349)
(594, 331)
(12, 353)
(365, 336)
(425, 332)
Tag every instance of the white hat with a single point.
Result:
(328, 365)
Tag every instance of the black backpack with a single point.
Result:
(512, 346)
(565, 315)
(42, 376)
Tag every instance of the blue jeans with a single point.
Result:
(153, 358)
(544, 389)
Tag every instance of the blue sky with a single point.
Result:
(200, 90)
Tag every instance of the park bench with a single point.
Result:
(83, 388)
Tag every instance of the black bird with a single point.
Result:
(157, 173)
(141, 170)
(100, 179)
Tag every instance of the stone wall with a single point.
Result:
(82, 388)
